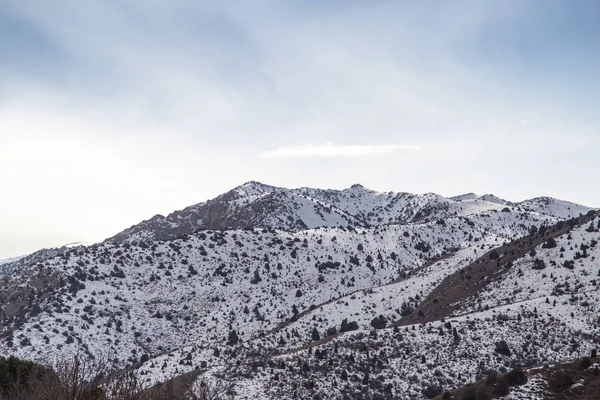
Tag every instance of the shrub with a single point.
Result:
(491, 379)
(560, 381)
(423, 247)
(406, 309)
(532, 253)
(475, 394)
(569, 264)
(539, 264)
(232, 338)
(502, 348)
(348, 326)
(590, 228)
(379, 322)
(516, 377)
(585, 363)
(501, 388)
(256, 279)
(432, 391)
(17, 375)
(77, 379)
(93, 393)
(315, 334)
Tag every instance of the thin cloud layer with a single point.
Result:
(104, 104)
(332, 150)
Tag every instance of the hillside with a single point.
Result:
(578, 379)
(451, 291)
(530, 316)
(255, 205)
(8, 265)
(8, 260)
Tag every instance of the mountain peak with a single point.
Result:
(166, 300)
(253, 188)
(257, 205)
(253, 183)
(466, 196)
(494, 199)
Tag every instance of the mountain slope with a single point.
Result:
(8, 260)
(174, 304)
(384, 311)
(511, 322)
(255, 205)
(7, 266)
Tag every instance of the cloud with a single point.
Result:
(331, 150)
(132, 98)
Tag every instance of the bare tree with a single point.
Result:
(80, 378)
(203, 389)
(79, 375)
(123, 385)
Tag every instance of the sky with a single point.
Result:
(112, 111)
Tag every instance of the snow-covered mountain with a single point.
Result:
(9, 265)
(540, 310)
(8, 260)
(255, 205)
(438, 293)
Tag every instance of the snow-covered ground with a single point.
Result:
(8, 260)
(173, 306)
(257, 205)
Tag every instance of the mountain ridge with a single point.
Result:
(395, 310)
(256, 205)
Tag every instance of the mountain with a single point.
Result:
(486, 197)
(8, 260)
(9, 265)
(256, 205)
(439, 293)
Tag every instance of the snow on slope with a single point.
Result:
(174, 303)
(543, 205)
(531, 317)
(194, 289)
(549, 206)
(486, 197)
(16, 263)
(255, 205)
(559, 270)
(8, 260)
(415, 360)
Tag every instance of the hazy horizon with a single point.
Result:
(114, 111)
(71, 240)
